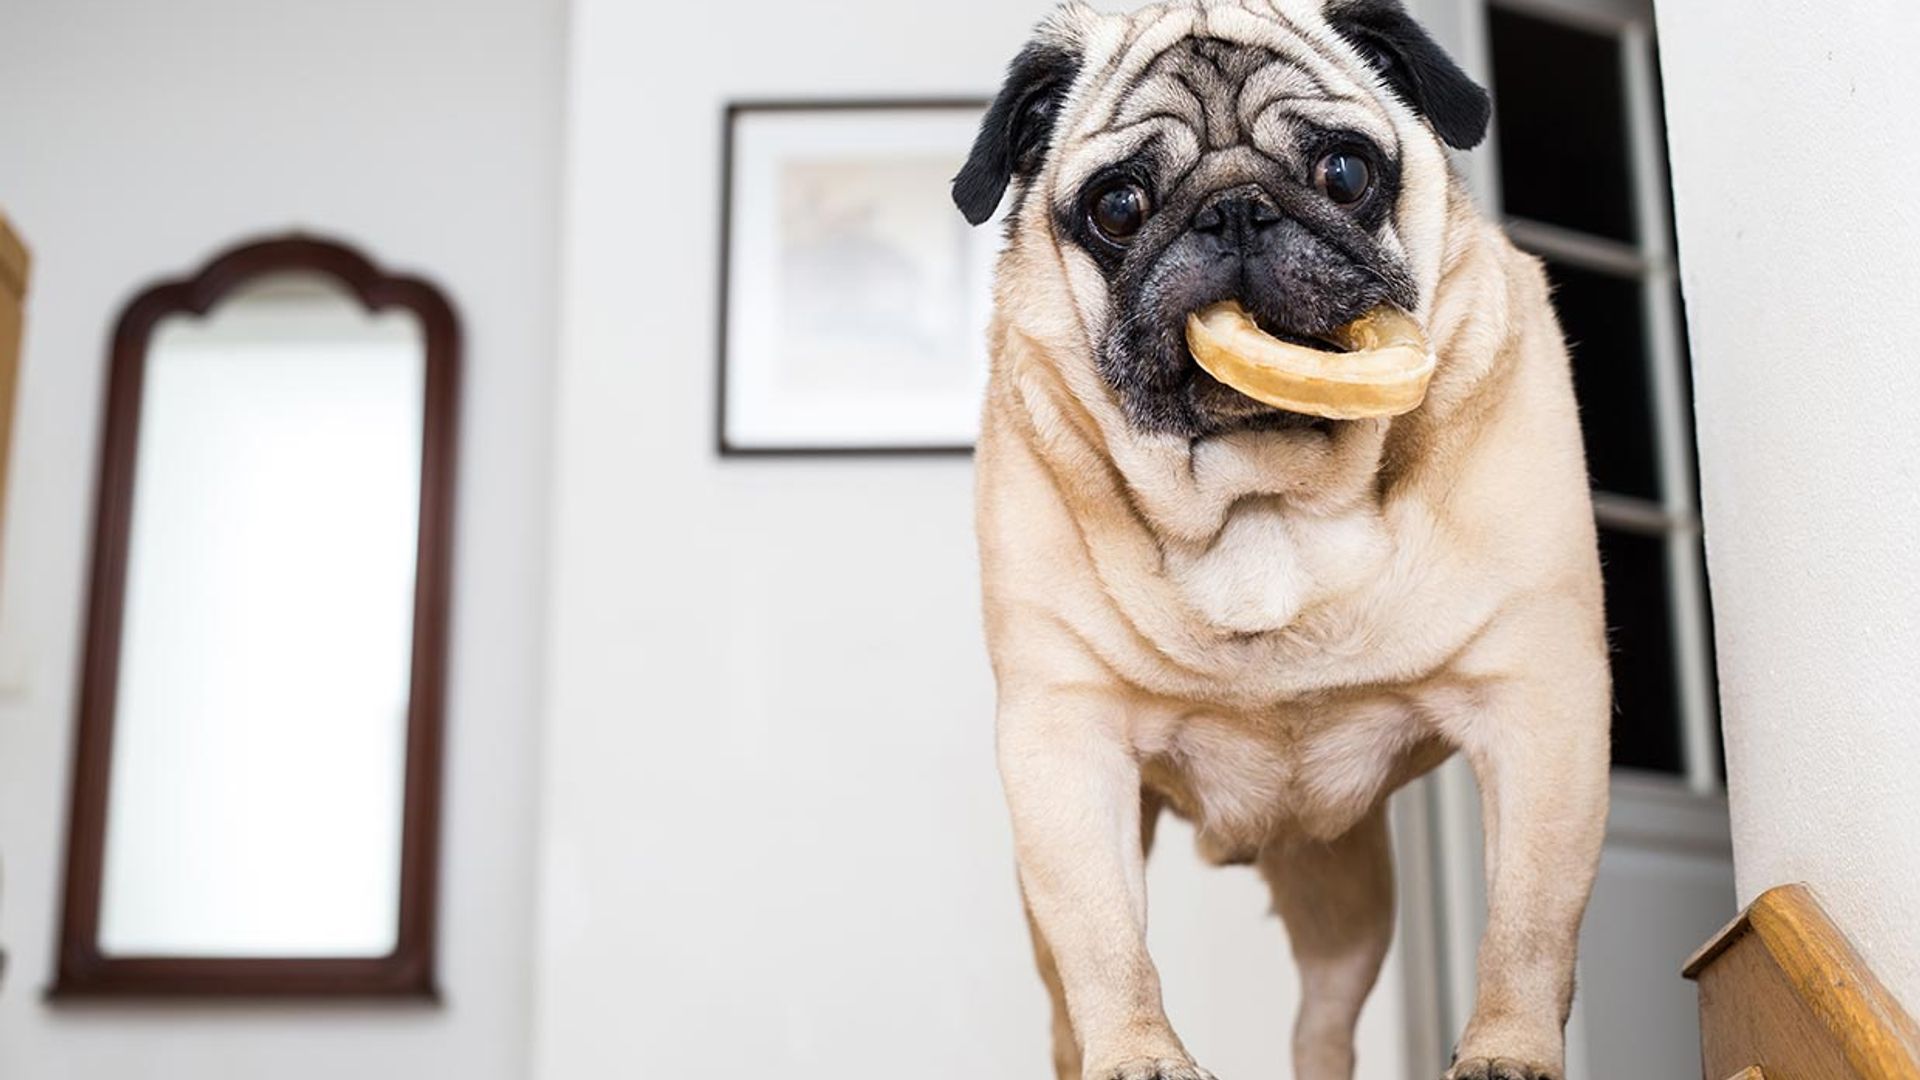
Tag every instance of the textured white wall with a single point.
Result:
(136, 139)
(1797, 183)
(773, 839)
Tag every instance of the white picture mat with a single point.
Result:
(763, 407)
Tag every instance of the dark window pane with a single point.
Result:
(1646, 719)
(1606, 329)
(1561, 100)
(1686, 386)
(1713, 668)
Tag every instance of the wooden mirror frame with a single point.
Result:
(83, 969)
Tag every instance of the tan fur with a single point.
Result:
(1272, 631)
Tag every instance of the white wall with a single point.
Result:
(772, 837)
(136, 139)
(1796, 179)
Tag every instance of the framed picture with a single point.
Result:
(854, 297)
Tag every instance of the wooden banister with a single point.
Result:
(1782, 990)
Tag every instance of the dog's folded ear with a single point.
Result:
(1018, 127)
(1424, 76)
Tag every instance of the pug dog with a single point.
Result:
(1261, 619)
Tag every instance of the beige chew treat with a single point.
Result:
(1383, 372)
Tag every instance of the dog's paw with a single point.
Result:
(1499, 1069)
(1156, 1069)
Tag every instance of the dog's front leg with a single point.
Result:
(1541, 760)
(1073, 787)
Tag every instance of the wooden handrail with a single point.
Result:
(1781, 989)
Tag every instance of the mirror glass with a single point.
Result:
(258, 757)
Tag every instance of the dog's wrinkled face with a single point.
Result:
(1197, 153)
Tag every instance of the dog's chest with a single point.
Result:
(1336, 587)
(1312, 770)
(1271, 564)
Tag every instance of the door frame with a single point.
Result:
(1444, 912)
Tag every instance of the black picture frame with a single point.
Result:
(725, 446)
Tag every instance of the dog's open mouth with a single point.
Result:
(1377, 365)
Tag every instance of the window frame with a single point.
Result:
(1652, 262)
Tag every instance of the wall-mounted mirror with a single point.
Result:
(256, 780)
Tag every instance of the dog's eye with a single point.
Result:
(1343, 176)
(1118, 209)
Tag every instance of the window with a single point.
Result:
(1582, 181)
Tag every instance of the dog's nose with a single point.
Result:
(1235, 215)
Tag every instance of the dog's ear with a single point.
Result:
(1018, 127)
(1424, 76)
